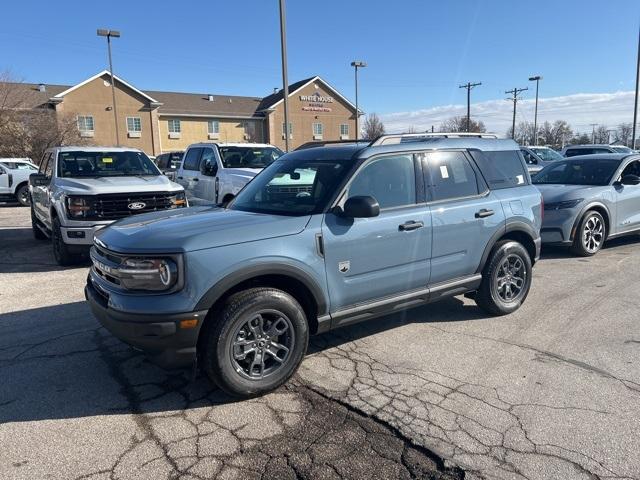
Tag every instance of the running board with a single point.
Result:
(43, 229)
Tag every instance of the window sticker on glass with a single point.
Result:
(107, 160)
(520, 179)
(444, 173)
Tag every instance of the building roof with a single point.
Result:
(275, 98)
(198, 104)
(29, 96)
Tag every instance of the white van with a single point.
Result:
(213, 173)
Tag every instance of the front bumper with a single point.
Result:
(80, 235)
(158, 335)
(557, 226)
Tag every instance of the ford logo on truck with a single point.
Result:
(137, 205)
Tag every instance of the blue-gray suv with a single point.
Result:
(322, 238)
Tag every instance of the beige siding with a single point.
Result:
(195, 129)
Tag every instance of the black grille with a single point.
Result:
(114, 206)
(283, 192)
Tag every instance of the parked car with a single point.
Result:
(79, 190)
(588, 200)
(214, 173)
(575, 150)
(323, 237)
(14, 179)
(622, 149)
(169, 163)
(537, 158)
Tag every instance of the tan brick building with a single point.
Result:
(157, 122)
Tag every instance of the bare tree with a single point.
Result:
(459, 124)
(524, 133)
(623, 133)
(556, 134)
(601, 135)
(412, 129)
(26, 131)
(580, 139)
(372, 127)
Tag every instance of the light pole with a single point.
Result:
(536, 79)
(635, 103)
(285, 80)
(357, 64)
(103, 32)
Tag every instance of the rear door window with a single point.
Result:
(451, 176)
(502, 169)
(192, 159)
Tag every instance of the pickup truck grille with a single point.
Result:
(287, 191)
(115, 206)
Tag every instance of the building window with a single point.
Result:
(318, 130)
(174, 126)
(134, 124)
(290, 129)
(213, 127)
(344, 130)
(85, 123)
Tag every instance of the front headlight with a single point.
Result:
(179, 200)
(78, 207)
(564, 204)
(154, 274)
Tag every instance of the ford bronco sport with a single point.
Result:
(79, 190)
(323, 237)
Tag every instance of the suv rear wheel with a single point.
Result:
(590, 235)
(256, 343)
(506, 279)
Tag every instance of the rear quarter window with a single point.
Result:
(502, 169)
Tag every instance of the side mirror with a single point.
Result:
(361, 207)
(210, 169)
(38, 179)
(630, 180)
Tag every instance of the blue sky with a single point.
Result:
(418, 51)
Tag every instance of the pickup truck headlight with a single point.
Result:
(179, 200)
(78, 207)
(156, 274)
(564, 204)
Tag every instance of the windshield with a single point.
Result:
(18, 166)
(546, 154)
(292, 187)
(594, 171)
(248, 157)
(105, 164)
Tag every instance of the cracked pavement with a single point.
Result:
(550, 392)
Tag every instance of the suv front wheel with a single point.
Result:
(506, 279)
(256, 342)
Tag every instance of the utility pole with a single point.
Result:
(635, 103)
(469, 86)
(536, 79)
(593, 132)
(103, 32)
(285, 80)
(356, 65)
(515, 92)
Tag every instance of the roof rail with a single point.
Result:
(325, 143)
(393, 138)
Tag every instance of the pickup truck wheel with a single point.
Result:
(506, 279)
(256, 343)
(22, 194)
(60, 249)
(37, 233)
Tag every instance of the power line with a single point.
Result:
(469, 86)
(515, 92)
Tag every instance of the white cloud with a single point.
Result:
(580, 110)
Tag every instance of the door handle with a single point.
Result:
(412, 225)
(180, 178)
(485, 212)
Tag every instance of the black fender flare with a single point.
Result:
(228, 282)
(585, 209)
(513, 226)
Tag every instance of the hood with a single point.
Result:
(196, 228)
(552, 193)
(246, 173)
(126, 184)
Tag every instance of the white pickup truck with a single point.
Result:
(14, 179)
(213, 173)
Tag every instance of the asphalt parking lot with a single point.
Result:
(550, 392)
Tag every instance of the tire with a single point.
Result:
(23, 196)
(37, 233)
(60, 249)
(590, 235)
(231, 336)
(504, 289)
